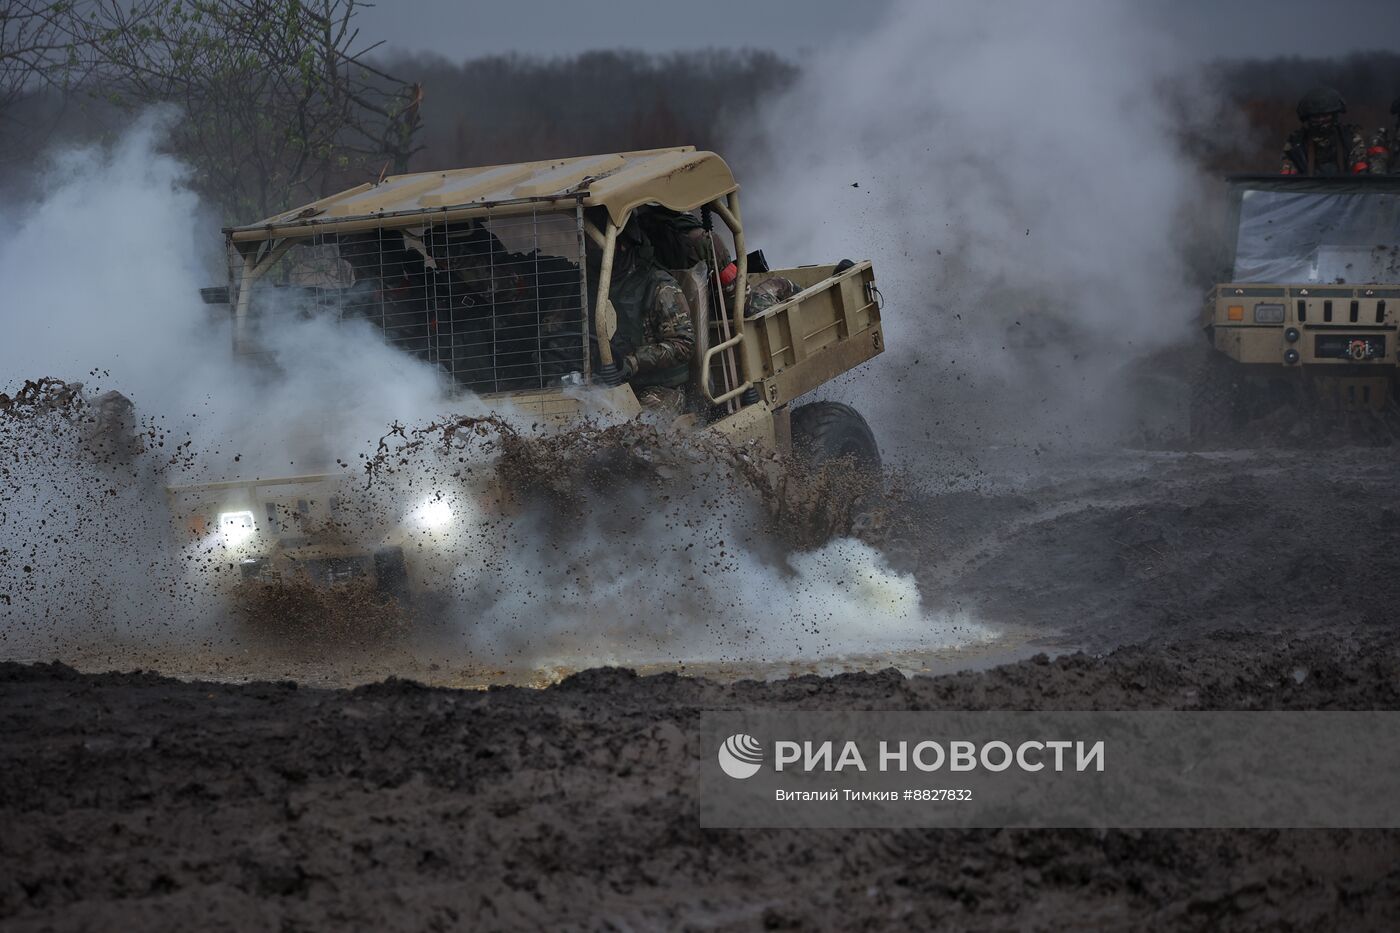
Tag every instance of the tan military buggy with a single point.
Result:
(1305, 325)
(499, 277)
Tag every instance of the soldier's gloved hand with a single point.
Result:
(619, 373)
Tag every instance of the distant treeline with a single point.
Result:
(516, 108)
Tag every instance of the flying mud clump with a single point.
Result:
(80, 508)
(566, 472)
(509, 546)
(624, 543)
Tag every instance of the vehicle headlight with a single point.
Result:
(433, 513)
(1268, 314)
(237, 527)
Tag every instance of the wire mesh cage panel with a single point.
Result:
(498, 304)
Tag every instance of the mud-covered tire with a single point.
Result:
(839, 485)
(824, 432)
(391, 573)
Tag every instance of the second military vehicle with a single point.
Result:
(1305, 319)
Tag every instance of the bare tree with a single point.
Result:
(35, 49)
(276, 99)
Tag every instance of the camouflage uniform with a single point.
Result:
(655, 336)
(1324, 145)
(1378, 150)
(769, 292)
(1339, 150)
(654, 340)
(1384, 146)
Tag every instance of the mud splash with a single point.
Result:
(300, 617)
(569, 471)
(530, 550)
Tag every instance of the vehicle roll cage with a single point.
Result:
(680, 179)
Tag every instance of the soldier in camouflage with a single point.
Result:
(771, 291)
(655, 336)
(679, 241)
(1323, 145)
(1384, 147)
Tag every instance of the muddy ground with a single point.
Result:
(1164, 580)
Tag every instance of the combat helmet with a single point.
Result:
(1319, 102)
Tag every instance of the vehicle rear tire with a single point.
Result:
(824, 432)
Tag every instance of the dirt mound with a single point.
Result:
(397, 806)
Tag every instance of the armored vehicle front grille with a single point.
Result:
(1357, 347)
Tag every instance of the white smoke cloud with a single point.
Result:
(1015, 171)
(1012, 168)
(102, 272)
(99, 269)
(685, 572)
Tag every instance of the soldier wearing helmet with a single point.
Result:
(1324, 145)
(655, 335)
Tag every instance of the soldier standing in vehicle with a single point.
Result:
(1384, 147)
(655, 336)
(1323, 145)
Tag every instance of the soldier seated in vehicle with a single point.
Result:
(680, 240)
(655, 336)
(1323, 145)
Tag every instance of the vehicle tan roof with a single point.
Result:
(680, 178)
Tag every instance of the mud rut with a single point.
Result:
(1218, 580)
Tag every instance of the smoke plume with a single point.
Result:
(103, 271)
(1016, 171)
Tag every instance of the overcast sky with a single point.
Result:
(459, 29)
